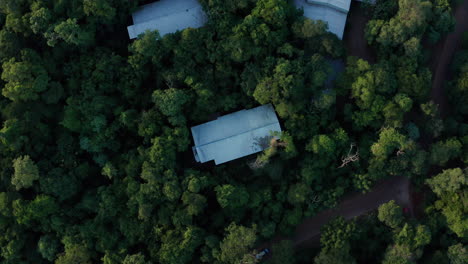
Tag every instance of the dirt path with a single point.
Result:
(355, 205)
(355, 42)
(443, 56)
(397, 188)
(308, 232)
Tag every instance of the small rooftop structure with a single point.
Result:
(333, 12)
(167, 16)
(235, 135)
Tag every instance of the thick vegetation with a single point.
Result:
(95, 135)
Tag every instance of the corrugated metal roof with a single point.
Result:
(167, 16)
(335, 19)
(340, 5)
(235, 135)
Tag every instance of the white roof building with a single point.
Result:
(235, 135)
(167, 16)
(341, 5)
(333, 12)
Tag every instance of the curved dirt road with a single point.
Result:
(308, 232)
(354, 39)
(443, 57)
(396, 188)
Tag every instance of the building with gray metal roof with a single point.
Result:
(235, 135)
(333, 12)
(167, 16)
(340, 5)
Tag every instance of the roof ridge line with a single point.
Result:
(269, 124)
(160, 17)
(339, 9)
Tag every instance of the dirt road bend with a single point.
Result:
(354, 40)
(396, 188)
(308, 232)
(443, 56)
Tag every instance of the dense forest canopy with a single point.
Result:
(95, 143)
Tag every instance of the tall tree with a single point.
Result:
(24, 79)
(391, 214)
(26, 172)
(237, 243)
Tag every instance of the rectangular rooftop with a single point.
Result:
(333, 13)
(167, 16)
(235, 135)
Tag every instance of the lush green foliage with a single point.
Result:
(390, 214)
(95, 134)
